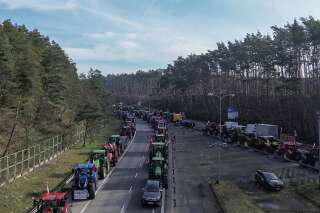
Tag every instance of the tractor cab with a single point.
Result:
(157, 147)
(127, 130)
(111, 153)
(52, 202)
(160, 138)
(114, 139)
(84, 181)
(289, 150)
(268, 143)
(86, 169)
(101, 162)
(309, 155)
(157, 165)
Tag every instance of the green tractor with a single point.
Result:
(158, 169)
(160, 138)
(98, 157)
(156, 147)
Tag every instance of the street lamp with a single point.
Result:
(221, 96)
(318, 117)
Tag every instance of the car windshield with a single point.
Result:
(152, 187)
(270, 176)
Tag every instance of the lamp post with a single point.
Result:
(318, 118)
(221, 96)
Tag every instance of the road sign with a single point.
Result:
(233, 113)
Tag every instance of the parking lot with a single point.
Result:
(196, 160)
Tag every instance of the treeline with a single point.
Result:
(276, 79)
(40, 92)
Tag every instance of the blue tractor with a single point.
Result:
(84, 182)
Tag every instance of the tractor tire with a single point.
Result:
(72, 195)
(108, 167)
(91, 191)
(102, 172)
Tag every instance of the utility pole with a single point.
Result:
(221, 96)
(318, 117)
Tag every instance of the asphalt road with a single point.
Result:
(188, 191)
(121, 192)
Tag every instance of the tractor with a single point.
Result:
(268, 144)
(160, 138)
(99, 158)
(127, 130)
(84, 181)
(308, 155)
(115, 140)
(289, 150)
(52, 202)
(111, 153)
(156, 147)
(211, 128)
(158, 169)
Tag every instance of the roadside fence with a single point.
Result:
(18, 164)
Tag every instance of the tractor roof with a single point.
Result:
(158, 159)
(115, 136)
(84, 166)
(158, 143)
(52, 196)
(98, 151)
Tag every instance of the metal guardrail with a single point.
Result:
(18, 164)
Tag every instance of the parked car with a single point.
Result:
(269, 180)
(187, 123)
(151, 193)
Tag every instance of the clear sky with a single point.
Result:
(119, 36)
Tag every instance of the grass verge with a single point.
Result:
(17, 196)
(311, 193)
(233, 199)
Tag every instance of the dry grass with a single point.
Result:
(233, 199)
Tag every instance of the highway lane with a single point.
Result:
(121, 191)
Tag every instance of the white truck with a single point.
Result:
(260, 130)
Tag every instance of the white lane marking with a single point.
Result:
(108, 176)
(163, 200)
(122, 209)
(136, 175)
(142, 161)
(152, 210)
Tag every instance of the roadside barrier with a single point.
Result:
(20, 163)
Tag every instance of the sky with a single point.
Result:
(123, 36)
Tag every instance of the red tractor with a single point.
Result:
(309, 154)
(289, 150)
(111, 153)
(52, 202)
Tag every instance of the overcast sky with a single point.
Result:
(119, 36)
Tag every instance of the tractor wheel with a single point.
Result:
(108, 167)
(102, 171)
(91, 190)
(72, 195)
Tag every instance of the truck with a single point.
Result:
(258, 130)
(176, 117)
